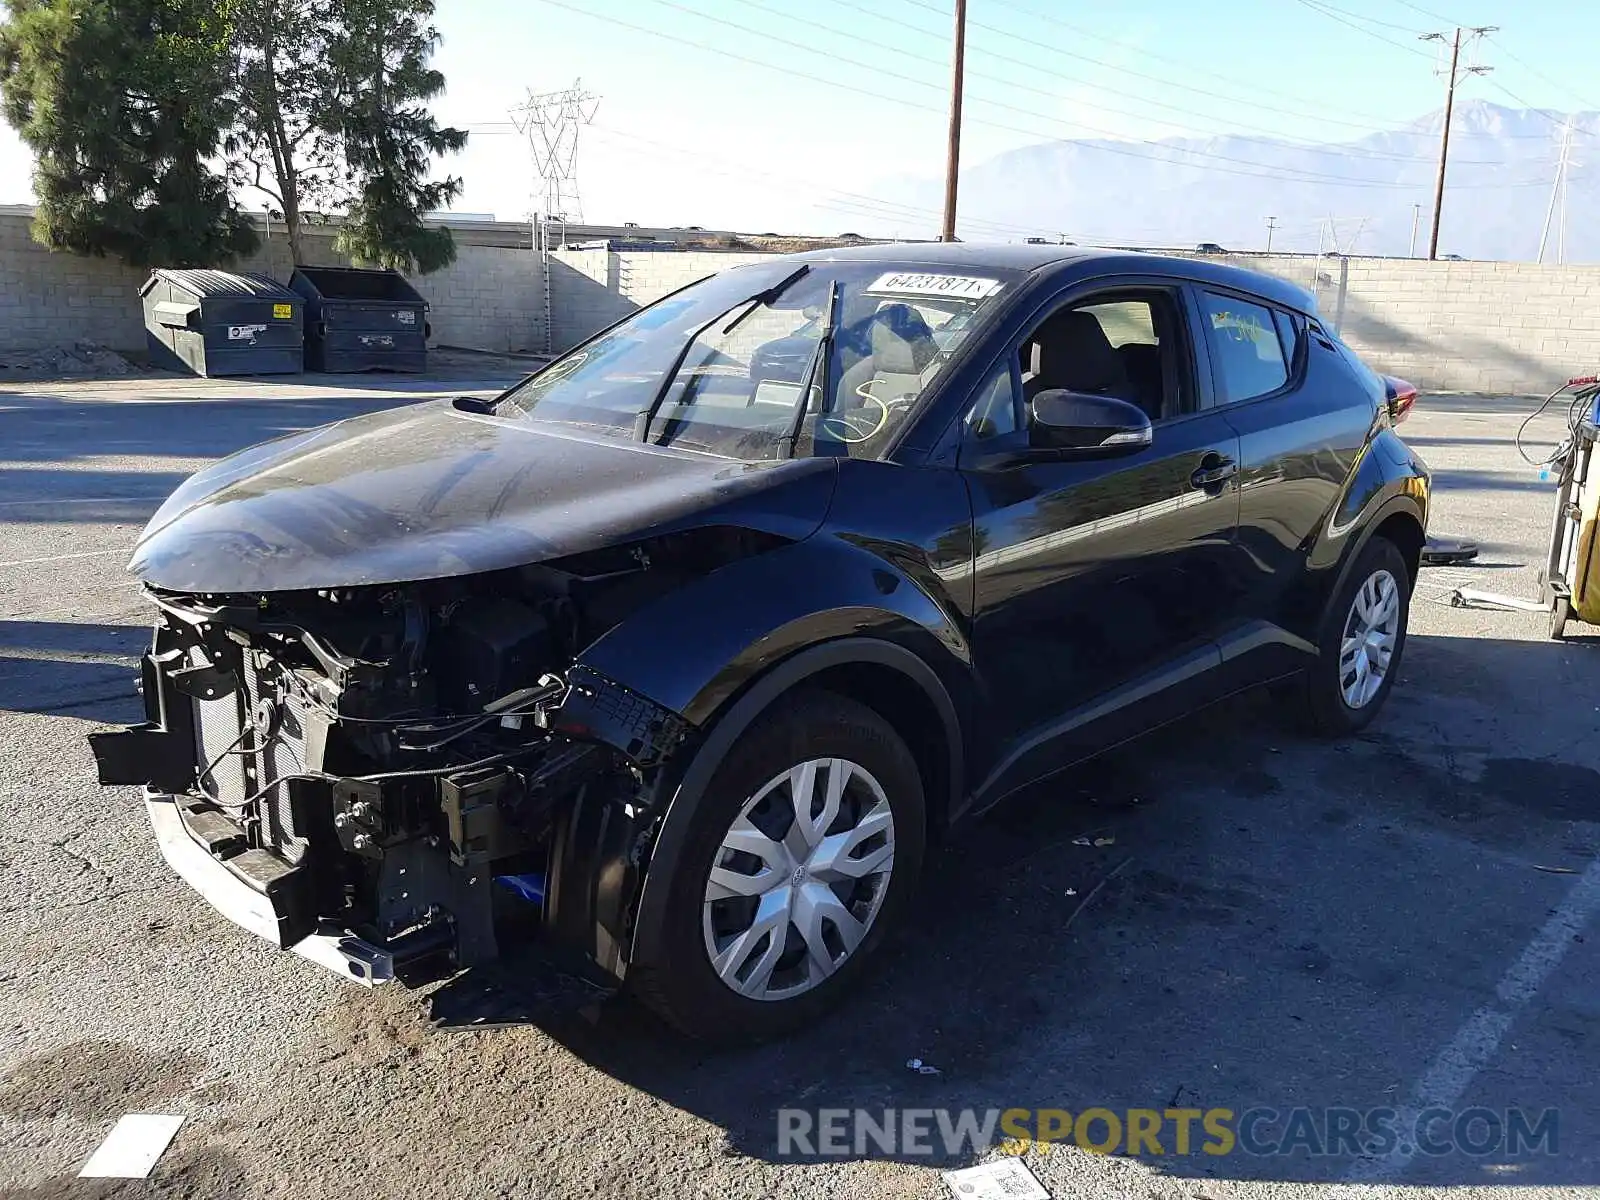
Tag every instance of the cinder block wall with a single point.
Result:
(56, 299)
(1456, 326)
(1446, 326)
(584, 296)
(592, 288)
(490, 298)
(1467, 326)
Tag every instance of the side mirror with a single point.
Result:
(1086, 425)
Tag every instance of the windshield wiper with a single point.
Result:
(642, 422)
(816, 371)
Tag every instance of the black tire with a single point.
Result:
(1319, 698)
(675, 977)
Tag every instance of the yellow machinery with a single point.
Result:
(1572, 574)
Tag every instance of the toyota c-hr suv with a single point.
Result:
(699, 636)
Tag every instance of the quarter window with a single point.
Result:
(1244, 341)
(995, 413)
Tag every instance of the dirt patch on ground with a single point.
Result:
(94, 1080)
(184, 1173)
(79, 360)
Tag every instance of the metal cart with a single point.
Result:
(1571, 579)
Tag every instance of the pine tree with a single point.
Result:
(285, 142)
(124, 103)
(390, 137)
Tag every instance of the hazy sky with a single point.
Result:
(792, 114)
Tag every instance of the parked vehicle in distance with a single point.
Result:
(699, 636)
(1209, 248)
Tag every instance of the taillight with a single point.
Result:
(1401, 395)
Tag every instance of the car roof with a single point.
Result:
(1068, 262)
(953, 254)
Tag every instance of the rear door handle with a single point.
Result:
(1221, 471)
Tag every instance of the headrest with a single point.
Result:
(1072, 351)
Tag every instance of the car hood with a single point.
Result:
(427, 491)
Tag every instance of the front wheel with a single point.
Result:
(804, 851)
(1363, 637)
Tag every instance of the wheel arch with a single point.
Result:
(1402, 520)
(887, 677)
(1404, 528)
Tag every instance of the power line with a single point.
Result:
(1254, 92)
(852, 201)
(1528, 67)
(1559, 122)
(1429, 13)
(1543, 79)
(1333, 14)
(1165, 81)
(1410, 30)
(659, 35)
(862, 201)
(1274, 139)
(1281, 174)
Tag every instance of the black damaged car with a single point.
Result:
(700, 636)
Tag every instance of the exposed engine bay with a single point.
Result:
(386, 766)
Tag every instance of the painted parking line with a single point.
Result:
(28, 562)
(133, 1147)
(1453, 1069)
(53, 501)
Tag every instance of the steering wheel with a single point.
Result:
(852, 428)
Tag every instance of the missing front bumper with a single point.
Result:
(267, 903)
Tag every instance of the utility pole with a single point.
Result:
(1449, 110)
(952, 166)
(1272, 223)
(1416, 221)
(1558, 189)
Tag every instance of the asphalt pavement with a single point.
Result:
(1226, 916)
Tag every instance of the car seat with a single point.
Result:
(1071, 351)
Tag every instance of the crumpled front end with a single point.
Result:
(371, 775)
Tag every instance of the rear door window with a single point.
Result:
(1245, 344)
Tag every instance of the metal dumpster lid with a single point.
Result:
(175, 310)
(328, 281)
(207, 283)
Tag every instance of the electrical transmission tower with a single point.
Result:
(551, 122)
(1558, 193)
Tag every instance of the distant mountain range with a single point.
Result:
(1502, 168)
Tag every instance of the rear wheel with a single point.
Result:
(1363, 637)
(804, 851)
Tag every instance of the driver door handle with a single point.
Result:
(1220, 470)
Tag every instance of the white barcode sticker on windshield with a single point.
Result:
(909, 283)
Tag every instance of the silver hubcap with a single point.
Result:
(1370, 633)
(798, 879)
